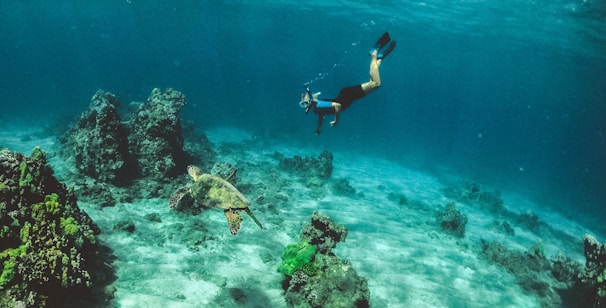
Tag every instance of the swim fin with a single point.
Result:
(381, 42)
(384, 53)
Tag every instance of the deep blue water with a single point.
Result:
(511, 93)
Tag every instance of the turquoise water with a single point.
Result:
(510, 94)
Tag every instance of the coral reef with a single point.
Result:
(314, 169)
(594, 276)
(531, 269)
(565, 270)
(314, 276)
(115, 156)
(323, 233)
(471, 193)
(452, 220)
(155, 138)
(49, 251)
(99, 142)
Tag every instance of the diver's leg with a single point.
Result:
(375, 78)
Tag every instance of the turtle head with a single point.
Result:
(194, 172)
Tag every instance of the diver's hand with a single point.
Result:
(317, 132)
(333, 123)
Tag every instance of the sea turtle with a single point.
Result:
(211, 191)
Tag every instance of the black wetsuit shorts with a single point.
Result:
(348, 95)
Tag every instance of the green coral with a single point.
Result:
(298, 257)
(52, 203)
(601, 285)
(8, 271)
(25, 178)
(69, 225)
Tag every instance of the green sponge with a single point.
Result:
(298, 257)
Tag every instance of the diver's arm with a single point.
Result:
(337, 108)
(320, 121)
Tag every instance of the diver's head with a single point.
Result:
(308, 100)
(305, 101)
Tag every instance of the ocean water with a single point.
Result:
(509, 94)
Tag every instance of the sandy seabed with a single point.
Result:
(185, 261)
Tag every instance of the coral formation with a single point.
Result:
(594, 276)
(49, 249)
(155, 138)
(314, 276)
(298, 257)
(342, 187)
(531, 269)
(452, 220)
(323, 233)
(148, 146)
(565, 270)
(310, 168)
(99, 142)
(471, 193)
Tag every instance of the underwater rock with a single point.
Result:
(314, 276)
(155, 138)
(48, 245)
(594, 277)
(531, 269)
(342, 187)
(99, 142)
(314, 169)
(191, 233)
(471, 193)
(323, 233)
(565, 270)
(452, 220)
(503, 227)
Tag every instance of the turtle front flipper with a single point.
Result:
(247, 211)
(176, 197)
(233, 221)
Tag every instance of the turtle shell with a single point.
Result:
(214, 192)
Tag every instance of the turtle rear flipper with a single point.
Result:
(176, 197)
(233, 221)
(247, 211)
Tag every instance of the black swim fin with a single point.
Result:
(381, 42)
(384, 53)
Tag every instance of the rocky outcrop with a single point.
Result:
(452, 221)
(50, 252)
(314, 276)
(594, 277)
(155, 138)
(531, 269)
(99, 142)
(308, 167)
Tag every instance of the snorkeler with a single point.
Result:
(348, 95)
